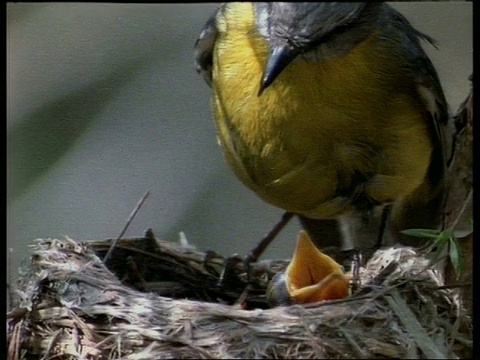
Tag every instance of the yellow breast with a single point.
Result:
(318, 124)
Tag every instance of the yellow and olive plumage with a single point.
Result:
(326, 110)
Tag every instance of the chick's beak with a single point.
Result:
(311, 276)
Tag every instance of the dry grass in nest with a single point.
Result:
(69, 305)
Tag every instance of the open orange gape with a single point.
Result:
(311, 276)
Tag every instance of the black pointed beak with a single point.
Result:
(278, 60)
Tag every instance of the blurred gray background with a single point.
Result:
(104, 104)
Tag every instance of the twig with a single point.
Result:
(13, 350)
(361, 354)
(10, 292)
(130, 218)
(51, 344)
(427, 345)
(256, 252)
(467, 200)
(453, 286)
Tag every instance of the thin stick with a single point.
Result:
(255, 253)
(386, 211)
(130, 218)
(10, 292)
(467, 201)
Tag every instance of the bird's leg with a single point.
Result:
(258, 250)
(383, 225)
(357, 262)
(253, 255)
(357, 229)
(350, 226)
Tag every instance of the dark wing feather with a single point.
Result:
(204, 45)
(429, 90)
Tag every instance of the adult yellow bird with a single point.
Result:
(330, 111)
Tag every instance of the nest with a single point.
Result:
(157, 299)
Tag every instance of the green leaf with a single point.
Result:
(462, 233)
(442, 239)
(422, 233)
(456, 257)
(439, 252)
